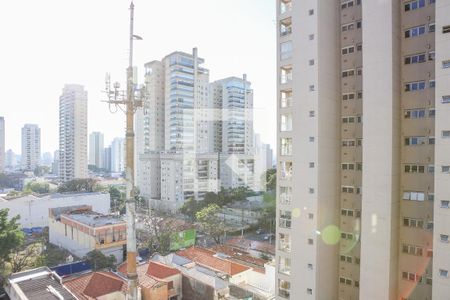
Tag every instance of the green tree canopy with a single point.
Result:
(210, 222)
(11, 236)
(38, 187)
(78, 185)
(99, 261)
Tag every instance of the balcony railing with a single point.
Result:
(286, 77)
(285, 30)
(285, 7)
(286, 102)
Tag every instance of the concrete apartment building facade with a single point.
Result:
(363, 154)
(31, 147)
(188, 127)
(73, 160)
(96, 149)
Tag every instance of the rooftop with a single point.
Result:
(94, 219)
(41, 284)
(240, 256)
(151, 273)
(207, 259)
(96, 284)
(251, 245)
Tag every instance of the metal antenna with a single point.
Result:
(130, 100)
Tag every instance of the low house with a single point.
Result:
(231, 271)
(157, 281)
(98, 285)
(37, 284)
(33, 209)
(80, 230)
(212, 274)
(198, 282)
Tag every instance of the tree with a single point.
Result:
(270, 179)
(160, 232)
(25, 258)
(38, 187)
(117, 200)
(210, 222)
(41, 170)
(78, 185)
(11, 236)
(269, 213)
(99, 261)
(190, 208)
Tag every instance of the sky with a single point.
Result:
(48, 43)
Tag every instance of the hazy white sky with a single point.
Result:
(47, 43)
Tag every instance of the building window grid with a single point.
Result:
(413, 5)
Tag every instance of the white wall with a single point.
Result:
(34, 210)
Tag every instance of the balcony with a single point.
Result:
(285, 6)
(285, 26)
(286, 75)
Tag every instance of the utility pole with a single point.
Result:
(131, 102)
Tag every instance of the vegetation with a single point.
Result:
(11, 237)
(160, 231)
(79, 185)
(269, 214)
(100, 261)
(41, 171)
(271, 179)
(117, 198)
(222, 198)
(210, 222)
(37, 187)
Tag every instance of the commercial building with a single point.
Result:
(96, 149)
(33, 210)
(31, 147)
(80, 230)
(73, 161)
(363, 157)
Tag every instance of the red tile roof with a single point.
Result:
(96, 284)
(160, 271)
(207, 259)
(151, 273)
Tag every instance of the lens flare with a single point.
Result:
(331, 235)
(296, 212)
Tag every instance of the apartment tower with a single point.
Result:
(31, 147)
(73, 160)
(363, 158)
(96, 149)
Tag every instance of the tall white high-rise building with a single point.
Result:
(118, 155)
(175, 127)
(73, 161)
(232, 135)
(232, 100)
(2, 144)
(96, 149)
(31, 147)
